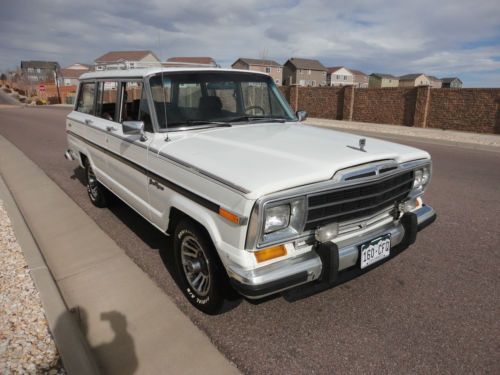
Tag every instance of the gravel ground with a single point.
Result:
(26, 345)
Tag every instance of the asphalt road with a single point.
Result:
(433, 309)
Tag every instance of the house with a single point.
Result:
(40, 71)
(360, 79)
(304, 72)
(436, 83)
(271, 67)
(69, 76)
(378, 80)
(414, 80)
(339, 76)
(452, 83)
(183, 61)
(125, 60)
(79, 66)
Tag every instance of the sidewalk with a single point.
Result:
(472, 140)
(130, 324)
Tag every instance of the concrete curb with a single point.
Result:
(130, 324)
(72, 345)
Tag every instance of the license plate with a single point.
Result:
(375, 250)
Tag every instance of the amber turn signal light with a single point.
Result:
(229, 216)
(270, 253)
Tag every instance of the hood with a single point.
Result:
(265, 158)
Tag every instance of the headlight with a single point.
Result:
(421, 178)
(282, 220)
(276, 218)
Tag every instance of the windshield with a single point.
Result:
(216, 98)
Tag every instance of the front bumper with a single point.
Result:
(329, 263)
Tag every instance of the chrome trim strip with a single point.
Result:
(238, 189)
(200, 171)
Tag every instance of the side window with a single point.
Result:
(107, 94)
(226, 91)
(256, 98)
(86, 98)
(144, 114)
(131, 99)
(189, 95)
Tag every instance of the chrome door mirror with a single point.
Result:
(301, 115)
(134, 128)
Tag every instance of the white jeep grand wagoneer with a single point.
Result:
(255, 201)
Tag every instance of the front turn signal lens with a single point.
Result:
(270, 253)
(229, 216)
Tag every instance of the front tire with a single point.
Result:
(201, 273)
(97, 192)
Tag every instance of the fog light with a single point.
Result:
(270, 253)
(327, 232)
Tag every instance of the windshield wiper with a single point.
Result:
(257, 118)
(202, 122)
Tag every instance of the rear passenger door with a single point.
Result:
(127, 170)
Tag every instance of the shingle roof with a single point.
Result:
(450, 79)
(194, 60)
(357, 72)
(115, 56)
(333, 69)
(262, 62)
(383, 75)
(72, 73)
(434, 78)
(410, 77)
(306, 64)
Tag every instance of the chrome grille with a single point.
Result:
(358, 201)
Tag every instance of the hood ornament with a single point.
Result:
(362, 144)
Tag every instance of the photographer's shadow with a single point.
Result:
(117, 356)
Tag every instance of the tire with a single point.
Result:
(97, 192)
(201, 274)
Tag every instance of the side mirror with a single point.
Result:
(301, 115)
(134, 128)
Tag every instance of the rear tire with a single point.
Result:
(97, 192)
(202, 276)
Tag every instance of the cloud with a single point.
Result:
(446, 37)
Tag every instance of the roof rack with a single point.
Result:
(124, 65)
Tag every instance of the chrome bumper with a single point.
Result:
(308, 267)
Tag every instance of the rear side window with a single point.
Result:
(107, 93)
(85, 102)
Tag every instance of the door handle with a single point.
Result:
(88, 121)
(110, 128)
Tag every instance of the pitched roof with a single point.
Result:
(383, 75)
(82, 66)
(262, 62)
(357, 72)
(434, 78)
(72, 73)
(333, 69)
(115, 56)
(450, 79)
(306, 64)
(410, 77)
(194, 60)
(36, 64)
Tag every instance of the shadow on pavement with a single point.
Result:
(117, 356)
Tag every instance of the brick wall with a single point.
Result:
(476, 110)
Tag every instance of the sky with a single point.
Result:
(438, 37)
